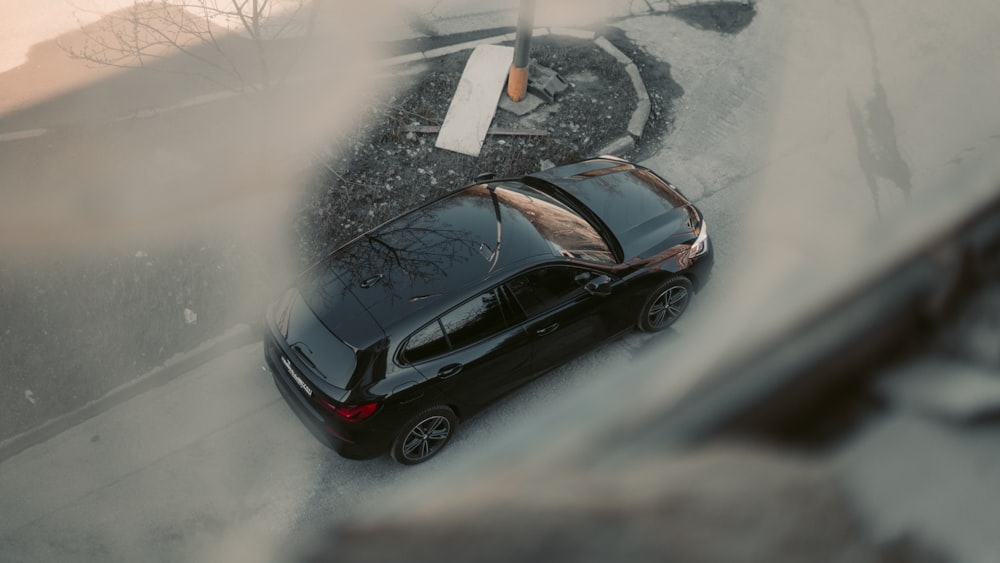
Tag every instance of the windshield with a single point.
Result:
(566, 231)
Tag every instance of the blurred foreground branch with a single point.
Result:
(240, 44)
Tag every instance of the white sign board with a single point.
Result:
(475, 101)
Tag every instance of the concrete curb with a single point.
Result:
(23, 134)
(242, 335)
(236, 337)
(637, 123)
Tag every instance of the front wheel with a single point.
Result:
(665, 304)
(424, 435)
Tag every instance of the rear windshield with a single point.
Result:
(316, 345)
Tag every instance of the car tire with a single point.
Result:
(424, 435)
(665, 304)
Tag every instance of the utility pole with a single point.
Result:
(517, 81)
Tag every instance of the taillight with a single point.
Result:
(355, 413)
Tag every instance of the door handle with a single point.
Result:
(547, 330)
(449, 370)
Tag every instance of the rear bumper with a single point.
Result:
(351, 442)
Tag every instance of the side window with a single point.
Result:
(546, 288)
(475, 320)
(425, 343)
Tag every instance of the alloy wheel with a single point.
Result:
(426, 438)
(667, 306)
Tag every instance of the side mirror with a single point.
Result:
(484, 177)
(600, 286)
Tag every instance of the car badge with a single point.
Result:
(298, 379)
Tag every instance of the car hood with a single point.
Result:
(644, 212)
(657, 233)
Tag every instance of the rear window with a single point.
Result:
(473, 321)
(321, 348)
(425, 344)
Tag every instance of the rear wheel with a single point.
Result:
(424, 435)
(665, 304)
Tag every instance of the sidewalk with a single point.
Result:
(160, 477)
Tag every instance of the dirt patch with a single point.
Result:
(386, 170)
(724, 17)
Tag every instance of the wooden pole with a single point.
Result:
(517, 80)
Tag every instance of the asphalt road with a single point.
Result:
(803, 134)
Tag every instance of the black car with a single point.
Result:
(390, 340)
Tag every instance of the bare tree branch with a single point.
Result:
(146, 32)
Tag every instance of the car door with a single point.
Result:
(473, 352)
(563, 319)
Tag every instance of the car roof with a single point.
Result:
(429, 256)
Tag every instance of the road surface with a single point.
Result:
(803, 138)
